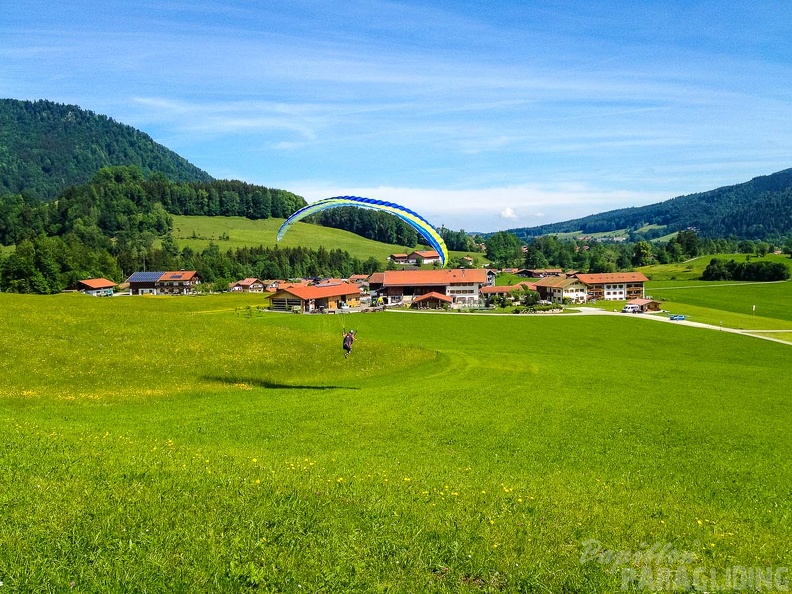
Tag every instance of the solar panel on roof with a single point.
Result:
(145, 277)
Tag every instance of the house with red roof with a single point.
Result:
(490, 292)
(96, 287)
(431, 301)
(645, 305)
(560, 288)
(247, 285)
(462, 285)
(314, 298)
(177, 282)
(614, 286)
(423, 256)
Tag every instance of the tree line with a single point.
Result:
(760, 271)
(507, 250)
(121, 222)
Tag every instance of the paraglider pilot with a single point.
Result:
(349, 338)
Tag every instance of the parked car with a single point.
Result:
(677, 317)
(631, 309)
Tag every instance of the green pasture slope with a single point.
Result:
(242, 232)
(694, 268)
(198, 444)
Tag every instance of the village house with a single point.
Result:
(398, 258)
(541, 272)
(423, 256)
(314, 298)
(488, 293)
(431, 301)
(178, 282)
(248, 285)
(96, 287)
(144, 283)
(559, 288)
(359, 278)
(614, 286)
(397, 286)
(645, 305)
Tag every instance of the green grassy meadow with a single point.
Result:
(200, 444)
(694, 268)
(730, 302)
(242, 232)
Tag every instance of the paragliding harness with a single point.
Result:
(349, 338)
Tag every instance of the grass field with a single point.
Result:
(729, 301)
(242, 232)
(693, 269)
(198, 444)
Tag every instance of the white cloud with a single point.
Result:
(508, 213)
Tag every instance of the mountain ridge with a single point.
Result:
(760, 208)
(46, 147)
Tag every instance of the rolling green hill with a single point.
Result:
(46, 147)
(757, 209)
(238, 232)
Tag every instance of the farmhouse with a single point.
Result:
(248, 285)
(645, 305)
(144, 283)
(398, 258)
(490, 292)
(462, 285)
(615, 286)
(431, 301)
(558, 288)
(423, 256)
(311, 298)
(97, 287)
(178, 282)
(540, 272)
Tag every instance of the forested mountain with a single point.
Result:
(758, 209)
(46, 147)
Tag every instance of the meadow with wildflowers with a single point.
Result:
(203, 444)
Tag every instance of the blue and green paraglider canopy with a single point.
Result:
(416, 221)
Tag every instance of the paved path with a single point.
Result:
(658, 317)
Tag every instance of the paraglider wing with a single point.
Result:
(413, 219)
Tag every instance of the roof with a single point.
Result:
(613, 277)
(98, 283)
(642, 301)
(545, 270)
(425, 254)
(556, 281)
(358, 277)
(306, 293)
(507, 288)
(398, 255)
(377, 278)
(247, 282)
(330, 281)
(403, 278)
(145, 277)
(433, 295)
(177, 275)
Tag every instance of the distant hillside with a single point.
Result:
(758, 209)
(46, 147)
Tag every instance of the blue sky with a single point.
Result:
(480, 116)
